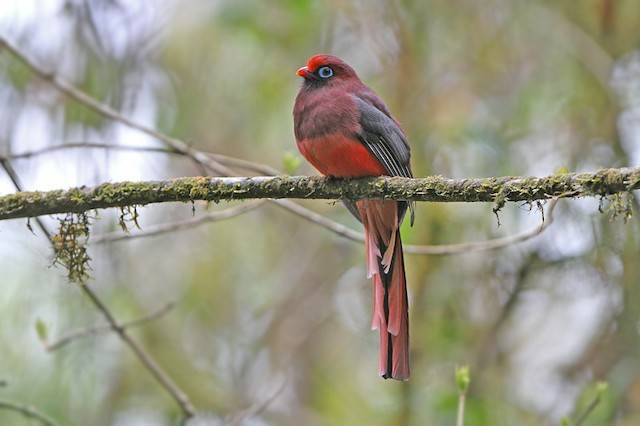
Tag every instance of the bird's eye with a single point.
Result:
(325, 72)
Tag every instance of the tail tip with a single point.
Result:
(399, 377)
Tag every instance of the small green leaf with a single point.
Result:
(41, 329)
(291, 162)
(564, 421)
(463, 378)
(601, 388)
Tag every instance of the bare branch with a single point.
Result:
(317, 218)
(27, 411)
(258, 407)
(434, 188)
(335, 227)
(176, 226)
(489, 244)
(223, 159)
(601, 387)
(97, 329)
(445, 249)
(88, 145)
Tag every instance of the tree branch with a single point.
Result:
(498, 190)
(27, 411)
(96, 329)
(181, 398)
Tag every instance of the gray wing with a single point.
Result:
(383, 138)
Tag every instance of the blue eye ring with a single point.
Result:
(325, 72)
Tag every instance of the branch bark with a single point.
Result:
(498, 190)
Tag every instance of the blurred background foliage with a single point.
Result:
(272, 316)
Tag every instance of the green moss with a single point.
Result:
(198, 188)
(70, 247)
(434, 188)
(128, 214)
(619, 205)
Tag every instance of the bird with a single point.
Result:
(345, 130)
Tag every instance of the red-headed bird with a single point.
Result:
(344, 129)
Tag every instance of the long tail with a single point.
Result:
(385, 262)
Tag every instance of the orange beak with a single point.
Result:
(303, 72)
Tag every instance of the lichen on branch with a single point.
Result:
(498, 190)
(70, 246)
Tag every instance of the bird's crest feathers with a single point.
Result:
(340, 67)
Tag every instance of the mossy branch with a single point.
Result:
(434, 188)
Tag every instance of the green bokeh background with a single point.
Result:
(272, 321)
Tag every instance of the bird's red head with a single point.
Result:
(322, 69)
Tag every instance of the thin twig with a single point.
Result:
(13, 175)
(177, 226)
(493, 244)
(97, 329)
(600, 389)
(446, 249)
(258, 407)
(462, 381)
(318, 219)
(462, 396)
(461, 403)
(89, 145)
(27, 411)
(245, 164)
(335, 227)
(223, 159)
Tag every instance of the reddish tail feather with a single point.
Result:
(385, 262)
